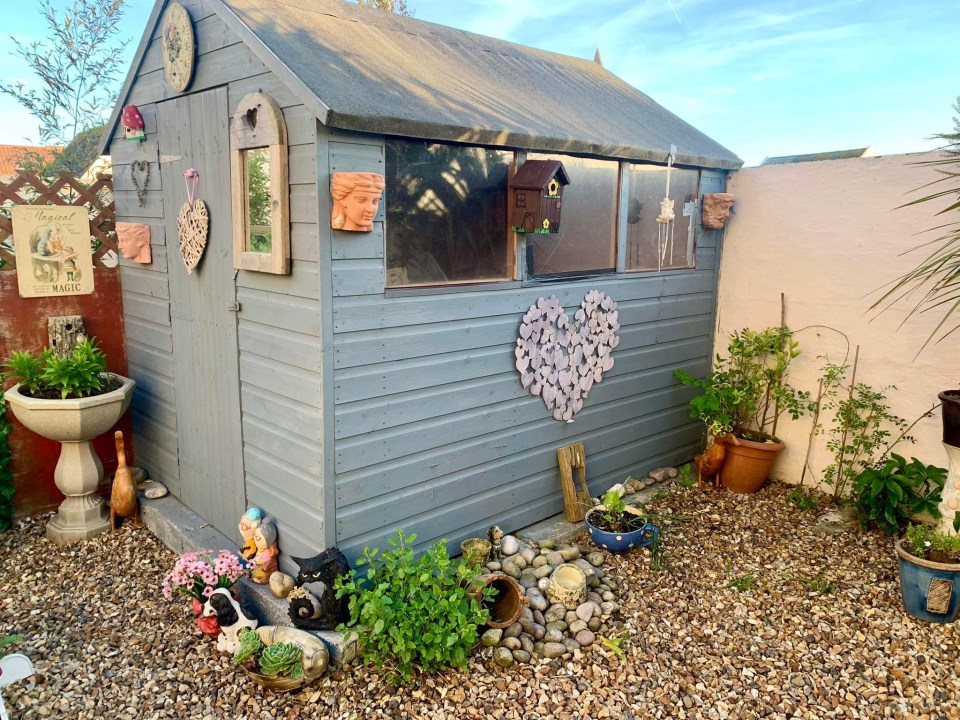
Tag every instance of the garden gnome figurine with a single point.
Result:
(356, 199)
(123, 495)
(265, 537)
(134, 242)
(716, 210)
(248, 525)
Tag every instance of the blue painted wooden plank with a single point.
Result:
(280, 345)
(283, 380)
(288, 312)
(277, 442)
(294, 417)
(358, 277)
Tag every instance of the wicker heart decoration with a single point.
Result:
(193, 222)
(560, 359)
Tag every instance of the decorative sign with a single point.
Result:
(560, 359)
(54, 256)
(178, 47)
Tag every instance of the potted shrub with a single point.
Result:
(745, 395)
(930, 573)
(71, 399)
(618, 527)
(281, 658)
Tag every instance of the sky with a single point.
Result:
(762, 78)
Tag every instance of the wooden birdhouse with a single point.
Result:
(537, 196)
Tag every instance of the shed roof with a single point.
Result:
(372, 71)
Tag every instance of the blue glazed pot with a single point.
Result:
(621, 542)
(930, 590)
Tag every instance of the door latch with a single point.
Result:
(234, 307)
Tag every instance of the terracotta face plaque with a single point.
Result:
(178, 47)
(54, 256)
(716, 209)
(356, 199)
(134, 241)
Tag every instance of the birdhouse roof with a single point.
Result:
(537, 174)
(371, 71)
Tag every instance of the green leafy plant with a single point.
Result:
(747, 392)
(8, 641)
(412, 611)
(819, 584)
(929, 543)
(6, 470)
(617, 643)
(283, 658)
(889, 495)
(802, 499)
(250, 645)
(744, 582)
(685, 478)
(658, 558)
(81, 373)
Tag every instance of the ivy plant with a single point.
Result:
(411, 612)
(890, 495)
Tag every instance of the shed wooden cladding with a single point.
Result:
(537, 196)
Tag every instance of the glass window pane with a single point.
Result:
(587, 240)
(446, 213)
(258, 199)
(650, 245)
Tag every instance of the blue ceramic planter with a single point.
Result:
(621, 542)
(930, 590)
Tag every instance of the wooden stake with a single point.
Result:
(575, 504)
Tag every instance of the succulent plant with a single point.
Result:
(282, 659)
(249, 646)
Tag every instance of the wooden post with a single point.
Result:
(575, 504)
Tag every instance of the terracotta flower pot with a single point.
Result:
(747, 464)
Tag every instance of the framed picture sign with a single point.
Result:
(52, 244)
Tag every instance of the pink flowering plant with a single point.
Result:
(197, 574)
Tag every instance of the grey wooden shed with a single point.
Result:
(347, 400)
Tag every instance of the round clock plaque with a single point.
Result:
(178, 47)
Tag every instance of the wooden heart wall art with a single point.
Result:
(193, 223)
(560, 358)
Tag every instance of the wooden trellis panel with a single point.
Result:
(29, 189)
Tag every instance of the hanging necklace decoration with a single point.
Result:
(143, 167)
(665, 218)
(193, 223)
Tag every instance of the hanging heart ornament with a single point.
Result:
(139, 177)
(193, 223)
(560, 358)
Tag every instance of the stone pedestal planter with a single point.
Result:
(74, 423)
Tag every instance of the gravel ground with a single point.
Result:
(107, 645)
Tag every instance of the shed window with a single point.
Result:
(587, 241)
(446, 209)
(651, 246)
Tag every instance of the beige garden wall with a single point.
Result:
(827, 234)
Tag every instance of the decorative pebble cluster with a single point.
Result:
(547, 630)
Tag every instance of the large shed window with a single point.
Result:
(587, 241)
(651, 246)
(446, 208)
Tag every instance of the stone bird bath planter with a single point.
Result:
(74, 423)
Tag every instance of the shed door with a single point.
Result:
(193, 132)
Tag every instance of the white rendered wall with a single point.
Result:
(827, 235)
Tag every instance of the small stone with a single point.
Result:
(594, 597)
(514, 630)
(648, 481)
(493, 566)
(553, 650)
(491, 637)
(611, 583)
(596, 559)
(570, 616)
(632, 485)
(558, 625)
(539, 561)
(153, 490)
(577, 625)
(585, 638)
(510, 568)
(571, 645)
(661, 474)
(511, 643)
(542, 571)
(526, 642)
(607, 596)
(528, 555)
(538, 649)
(280, 584)
(555, 558)
(537, 602)
(509, 545)
(527, 625)
(608, 608)
(539, 631)
(538, 617)
(503, 657)
(587, 610)
(522, 656)
(594, 623)
(569, 553)
(528, 578)
(553, 636)
(555, 612)
(797, 681)
(547, 544)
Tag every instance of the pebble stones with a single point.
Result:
(153, 490)
(509, 545)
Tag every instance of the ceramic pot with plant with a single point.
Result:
(618, 527)
(197, 574)
(281, 658)
(71, 399)
(930, 573)
(745, 395)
